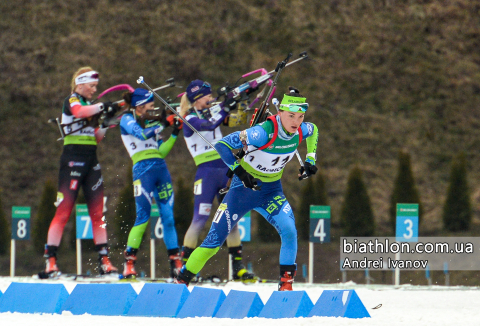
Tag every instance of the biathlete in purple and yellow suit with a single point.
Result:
(79, 167)
(151, 178)
(211, 174)
(270, 146)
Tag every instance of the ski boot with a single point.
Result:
(51, 268)
(106, 266)
(186, 252)
(240, 273)
(184, 277)
(130, 255)
(287, 273)
(175, 262)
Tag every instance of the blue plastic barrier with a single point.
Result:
(287, 304)
(240, 304)
(100, 299)
(202, 302)
(33, 298)
(159, 300)
(339, 303)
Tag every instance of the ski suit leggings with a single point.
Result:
(208, 182)
(151, 179)
(270, 202)
(79, 167)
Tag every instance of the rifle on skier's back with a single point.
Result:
(262, 113)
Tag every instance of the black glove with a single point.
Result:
(229, 105)
(309, 169)
(247, 179)
(110, 109)
(177, 126)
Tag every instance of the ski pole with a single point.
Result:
(126, 87)
(302, 56)
(141, 81)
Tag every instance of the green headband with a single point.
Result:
(294, 104)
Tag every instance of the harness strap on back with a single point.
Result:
(275, 133)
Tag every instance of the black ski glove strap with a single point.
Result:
(247, 179)
(229, 105)
(110, 109)
(177, 126)
(309, 169)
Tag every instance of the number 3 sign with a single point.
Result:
(407, 223)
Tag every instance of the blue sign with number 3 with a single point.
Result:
(407, 223)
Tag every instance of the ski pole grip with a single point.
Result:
(303, 176)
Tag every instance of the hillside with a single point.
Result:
(386, 75)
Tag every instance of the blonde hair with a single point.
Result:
(77, 73)
(185, 105)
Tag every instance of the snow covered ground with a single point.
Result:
(406, 305)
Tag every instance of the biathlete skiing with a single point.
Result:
(151, 178)
(79, 167)
(256, 184)
(211, 175)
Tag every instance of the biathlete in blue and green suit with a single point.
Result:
(270, 146)
(151, 178)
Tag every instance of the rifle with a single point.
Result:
(261, 114)
(95, 120)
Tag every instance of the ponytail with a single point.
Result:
(127, 97)
(185, 105)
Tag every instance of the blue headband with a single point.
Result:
(198, 89)
(141, 96)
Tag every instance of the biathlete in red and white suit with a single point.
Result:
(79, 168)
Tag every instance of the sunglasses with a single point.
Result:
(296, 107)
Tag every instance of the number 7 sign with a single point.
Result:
(83, 222)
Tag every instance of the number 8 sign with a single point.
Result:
(21, 223)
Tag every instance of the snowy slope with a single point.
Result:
(407, 305)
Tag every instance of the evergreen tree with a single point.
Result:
(45, 213)
(126, 211)
(4, 230)
(313, 193)
(457, 211)
(357, 216)
(404, 190)
(182, 208)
